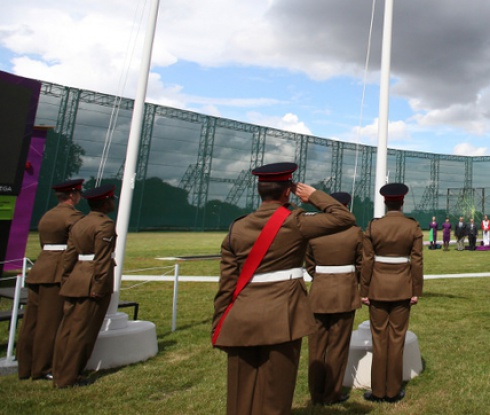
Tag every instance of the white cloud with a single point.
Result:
(288, 122)
(469, 117)
(439, 61)
(467, 149)
(397, 131)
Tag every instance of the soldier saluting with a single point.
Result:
(334, 262)
(261, 308)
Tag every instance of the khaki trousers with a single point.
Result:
(75, 341)
(460, 243)
(328, 352)
(44, 312)
(261, 379)
(389, 324)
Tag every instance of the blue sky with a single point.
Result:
(297, 66)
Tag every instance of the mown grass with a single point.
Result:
(452, 322)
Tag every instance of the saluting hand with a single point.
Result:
(303, 191)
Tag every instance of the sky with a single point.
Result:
(301, 66)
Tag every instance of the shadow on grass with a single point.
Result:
(438, 295)
(350, 408)
(188, 326)
(162, 345)
(95, 375)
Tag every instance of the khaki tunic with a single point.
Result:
(389, 288)
(54, 228)
(272, 312)
(269, 319)
(394, 235)
(335, 293)
(95, 234)
(334, 299)
(84, 315)
(44, 309)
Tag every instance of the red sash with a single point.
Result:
(254, 259)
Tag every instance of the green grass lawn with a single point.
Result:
(452, 322)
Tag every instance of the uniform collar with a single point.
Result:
(271, 206)
(394, 213)
(66, 205)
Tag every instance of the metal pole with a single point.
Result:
(381, 159)
(176, 292)
(128, 182)
(15, 311)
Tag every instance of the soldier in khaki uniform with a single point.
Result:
(262, 331)
(334, 262)
(87, 285)
(391, 282)
(44, 305)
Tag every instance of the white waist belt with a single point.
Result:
(284, 275)
(86, 257)
(334, 269)
(392, 259)
(90, 257)
(54, 247)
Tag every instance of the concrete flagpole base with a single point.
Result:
(358, 372)
(8, 366)
(121, 342)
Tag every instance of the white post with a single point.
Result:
(128, 182)
(19, 283)
(381, 158)
(176, 292)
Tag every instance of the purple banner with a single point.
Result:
(19, 228)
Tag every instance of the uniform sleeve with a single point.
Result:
(367, 262)
(73, 218)
(70, 258)
(310, 261)
(103, 261)
(227, 283)
(333, 217)
(417, 264)
(359, 249)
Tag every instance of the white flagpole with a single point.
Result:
(128, 182)
(381, 158)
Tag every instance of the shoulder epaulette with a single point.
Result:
(370, 223)
(311, 212)
(231, 227)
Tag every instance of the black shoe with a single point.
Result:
(83, 382)
(47, 376)
(342, 398)
(397, 397)
(373, 398)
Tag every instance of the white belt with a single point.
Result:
(284, 275)
(86, 257)
(54, 247)
(392, 259)
(90, 257)
(334, 269)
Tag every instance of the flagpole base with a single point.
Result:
(8, 366)
(121, 342)
(358, 372)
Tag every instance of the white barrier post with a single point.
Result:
(176, 291)
(15, 311)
